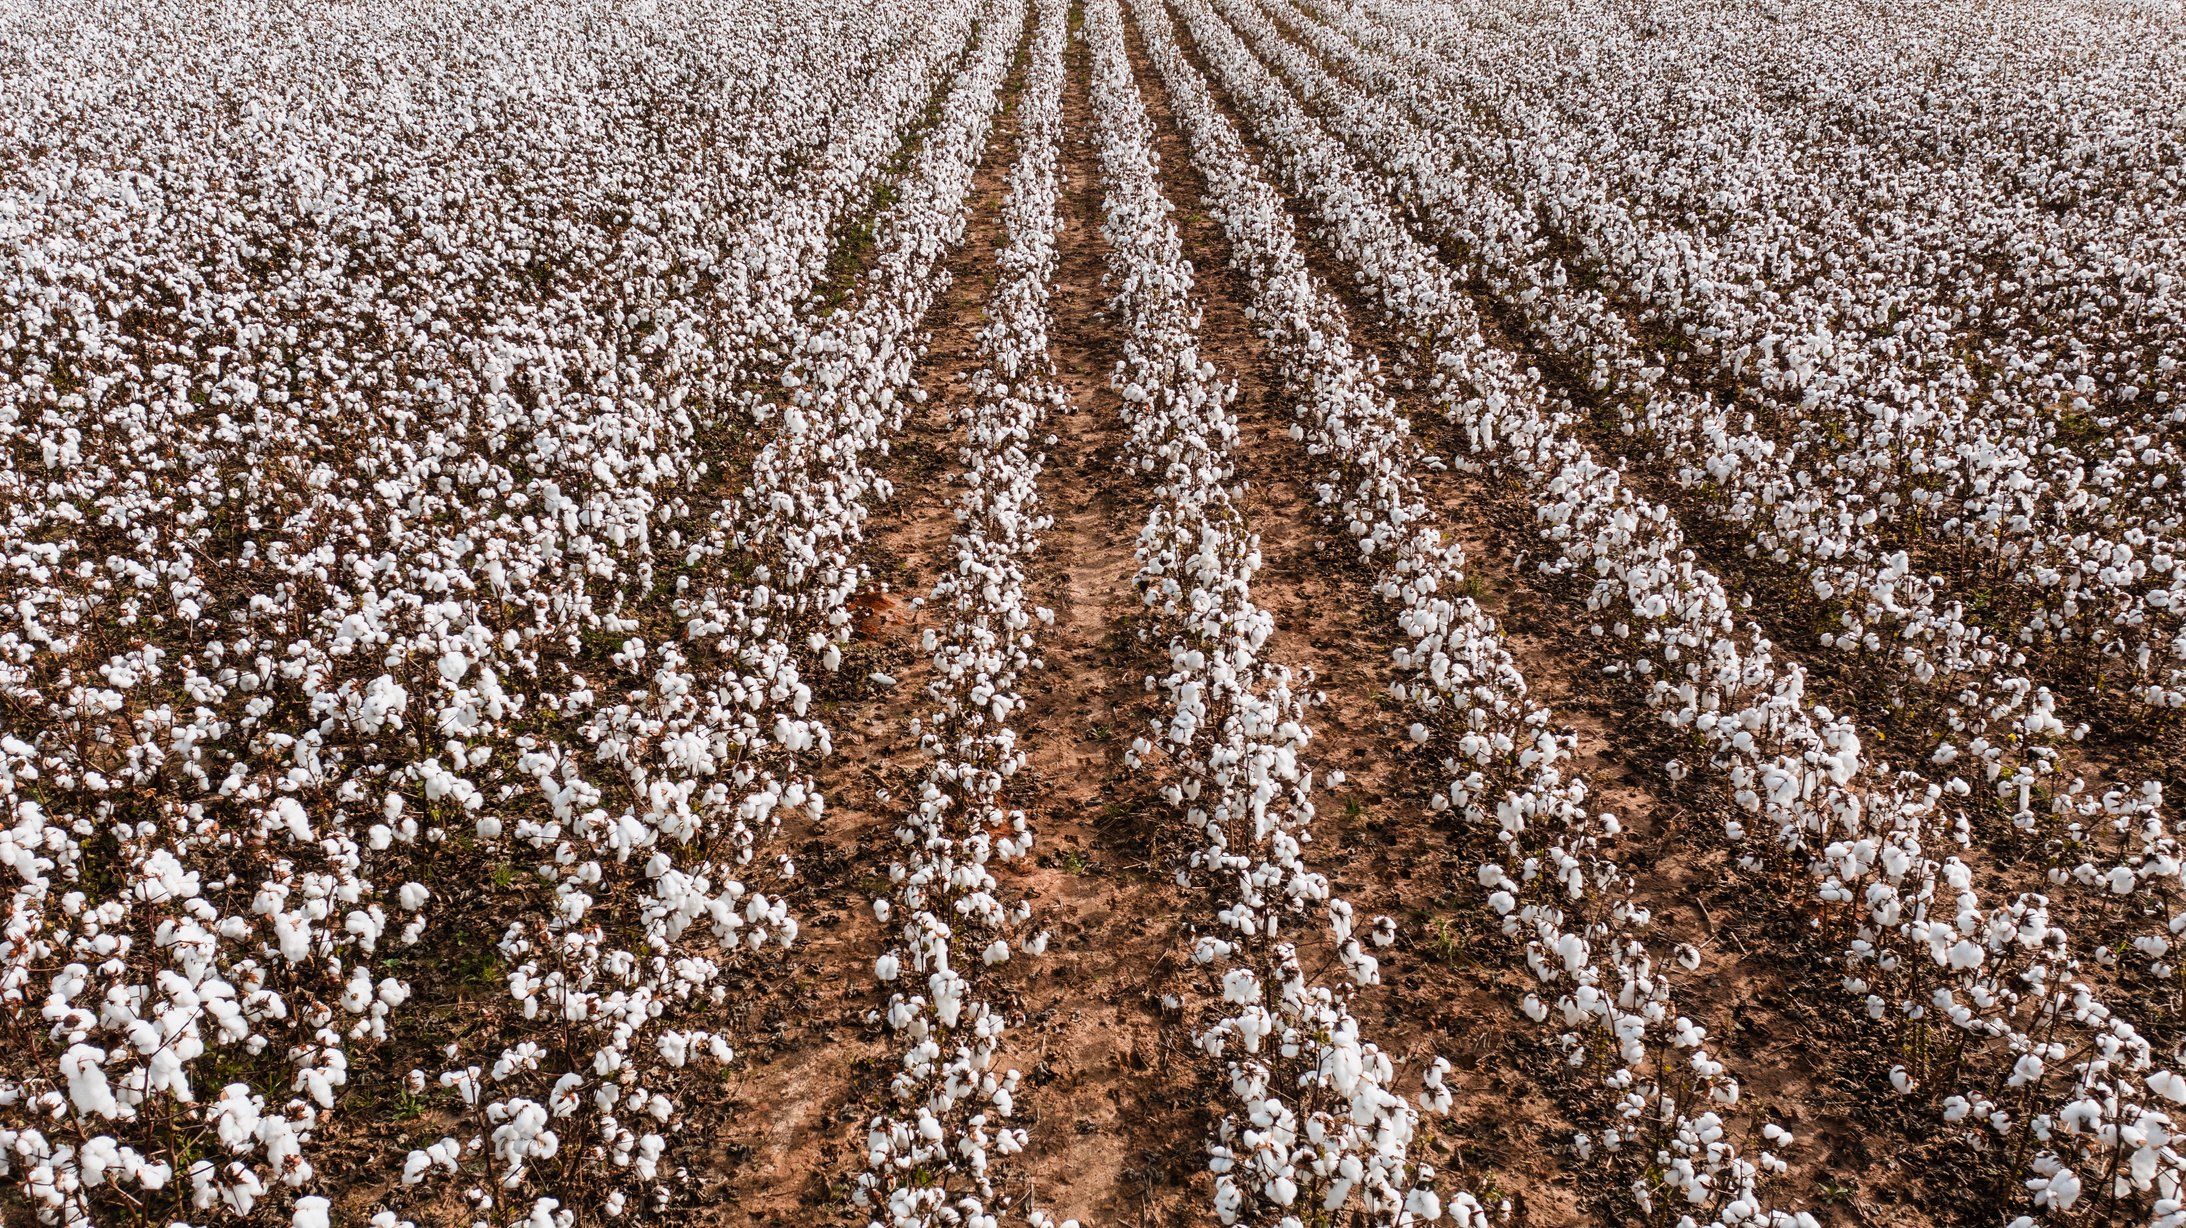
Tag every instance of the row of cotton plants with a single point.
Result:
(1513, 775)
(1756, 483)
(1935, 424)
(931, 1154)
(797, 525)
(1313, 1124)
(1987, 988)
(344, 491)
(2020, 164)
(2006, 724)
(763, 301)
(622, 1027)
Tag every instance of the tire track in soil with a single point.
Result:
(1117, 1127)
(811, 1069)
(1756, 982)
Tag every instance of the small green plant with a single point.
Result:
(483, 967)
(1447, 944)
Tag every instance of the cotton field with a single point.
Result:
(1292, 613)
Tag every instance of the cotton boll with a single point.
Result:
(87, 1085)
(2168, 1085)
(1384, 932)
(290, 814)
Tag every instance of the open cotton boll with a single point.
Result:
(88, 1090)
(2168, 1085)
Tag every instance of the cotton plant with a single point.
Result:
(937, 1153)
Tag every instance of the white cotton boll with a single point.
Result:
(997, 952)
(2059, 1192)
(2168, 1085)
(357, 995)
(87, 1086)
(1240, 986)
(412, 896)
(1385, 931)
(1228, 1200)
(291, 814)
(311, 1212)
(887, 968)
(95, 1157)
(1572, 949)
